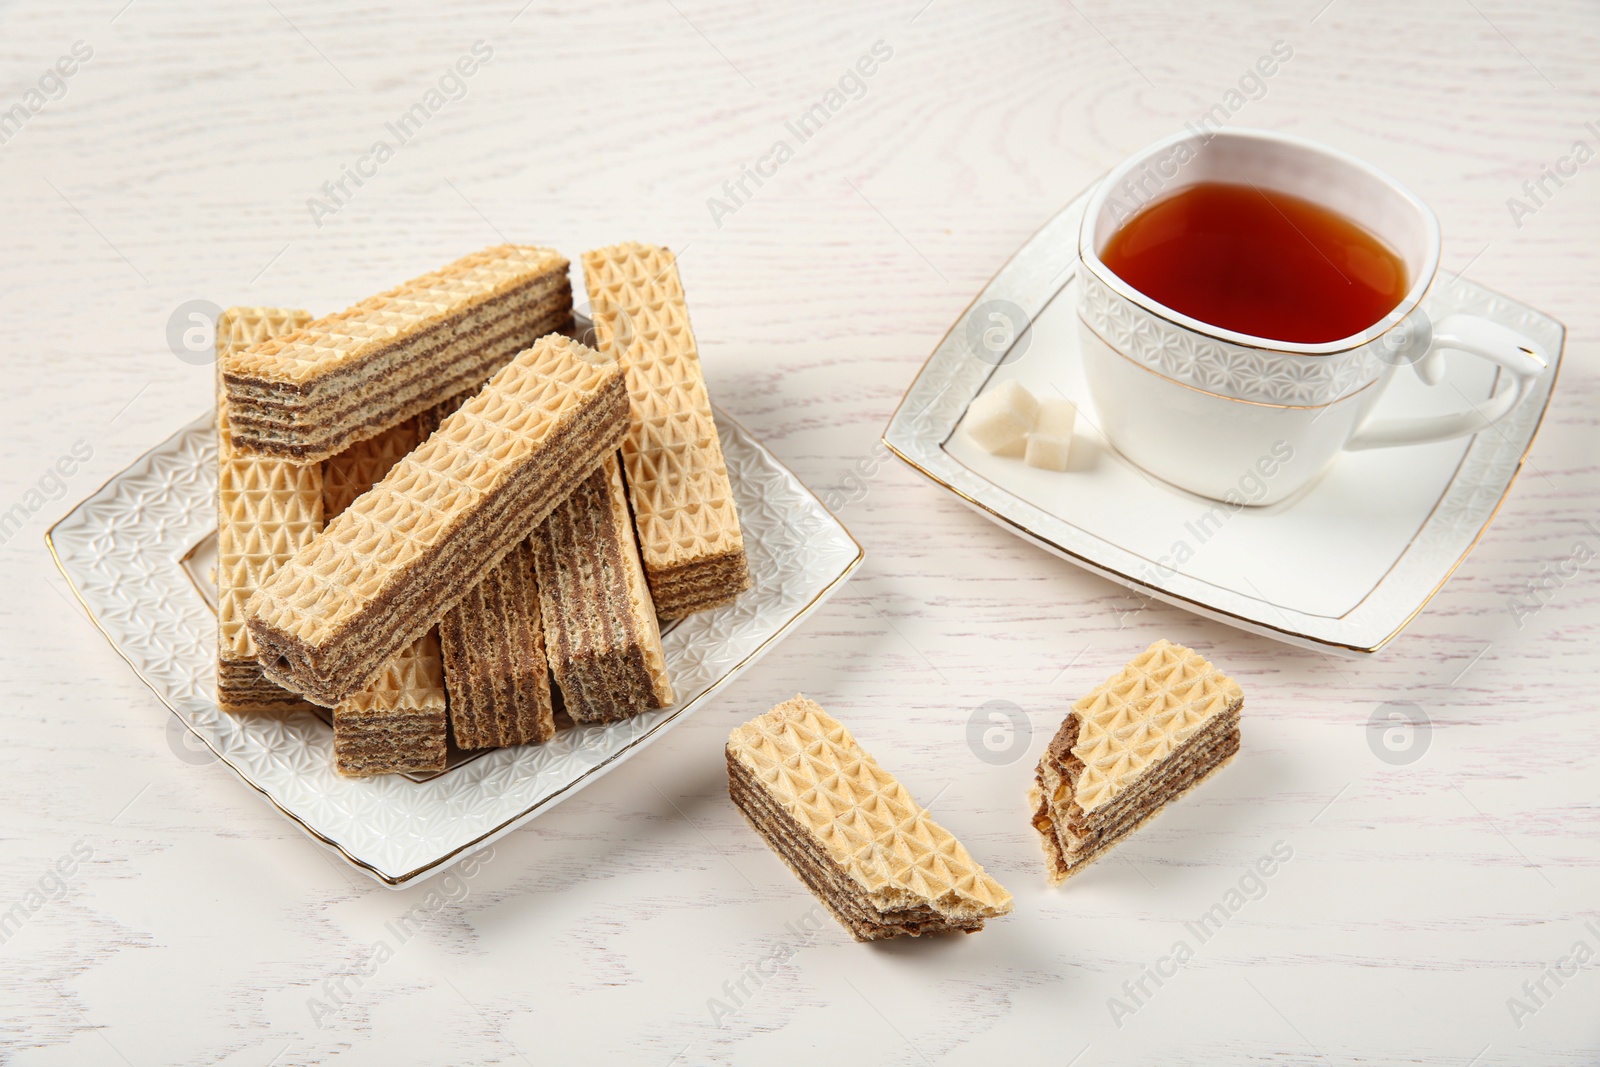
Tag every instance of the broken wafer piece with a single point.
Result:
(267, 510)
(689, 535)
(1141, 740)
(851, 832)
(604, 642)
(351, 375)
(382, 573)
(999, 419)
(396, 724)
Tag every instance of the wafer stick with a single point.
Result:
(396, 723)
(495, 665)
(1146, 736)
(398, 558)
(604, 642)
(353, 374)
(851, 831)
(495, 668)
(267, 510)
(689, 536)
(383, 730)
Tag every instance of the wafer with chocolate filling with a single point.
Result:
(604, 642)
(353, 374)
(851, 831)
(267, 510)
(382, 573)
(396, 724)
(1146, 736)
(494, 659)
(689, 535)
(495, 669)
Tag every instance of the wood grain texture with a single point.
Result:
(177, 166)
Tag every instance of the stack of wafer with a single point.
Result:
(386, 569)
(493, 643)
(268, 509)
(423, 514)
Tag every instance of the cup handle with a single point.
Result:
(1523, 360)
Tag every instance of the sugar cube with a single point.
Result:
(1050, 441)
(1000, 418)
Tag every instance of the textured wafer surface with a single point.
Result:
(689, 535)
(239, 328)
(1073, 840)
(604, 641)
(338, 341)
(851, 827)
(412, 680)
(1139, 715)
(401, 555)
(353, 472)
(350, 375)
(267, 510)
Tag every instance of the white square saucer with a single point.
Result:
(1343, 565)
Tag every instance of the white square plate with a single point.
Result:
(134, 554)
(1343, 565)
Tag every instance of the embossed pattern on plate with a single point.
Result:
(124, 551)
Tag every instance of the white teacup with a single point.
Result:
(1201, 406)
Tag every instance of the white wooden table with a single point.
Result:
(198, 926)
